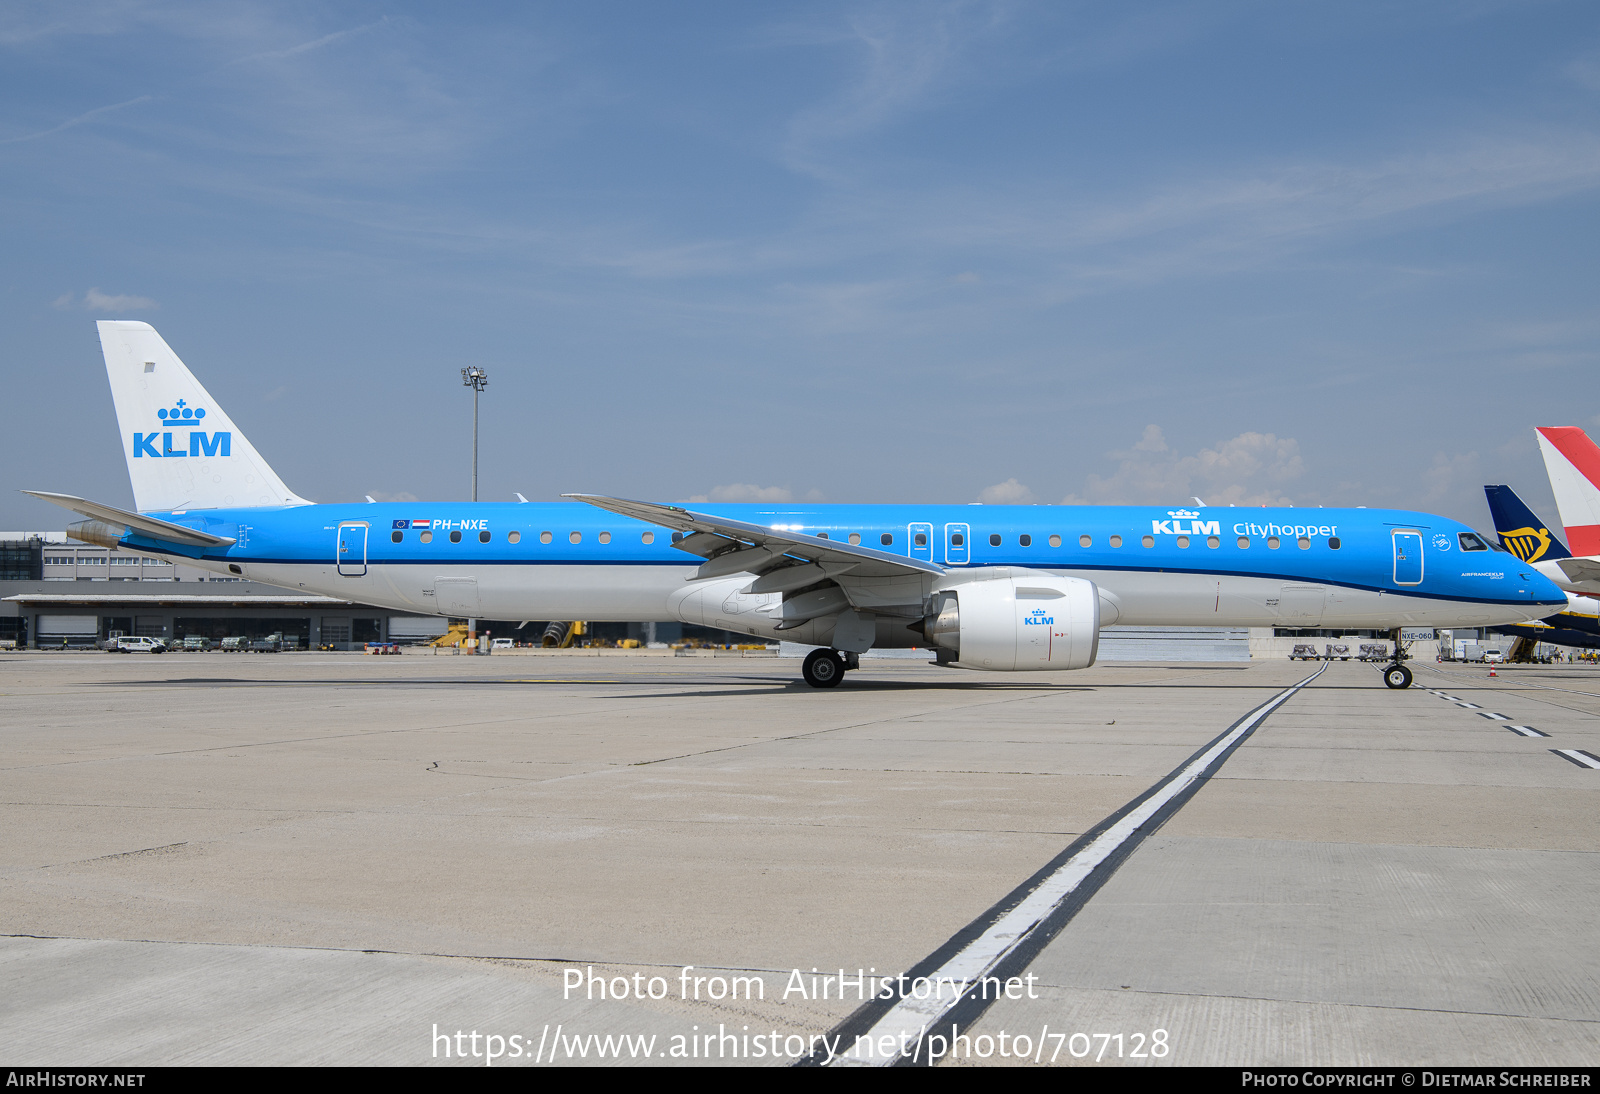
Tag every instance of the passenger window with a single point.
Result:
(1470, 542)
(957, 539)
(545, 537)
(994, 540)
(1333, 543)
(605, 537)
(1272, 543)
(515, 537)
(426, 537)
(1025, 540)
(1148, 541)
(455, 537)
(1213, 542)
(886, 539)
(647, 538)
(822, 535)
(1183, 541)
(1055, 541)
(920, 540)
(483, 537)
(575, 537)
(1085, 541)
(395, 536)
(855, 538)
(1116, 541)
(1244, 543)
(1305, 543)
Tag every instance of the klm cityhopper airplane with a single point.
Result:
(1523, 534)
(995, 587)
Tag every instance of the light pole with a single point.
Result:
(477, 380)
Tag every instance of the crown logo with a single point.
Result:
(180, 414)
(1183, 514)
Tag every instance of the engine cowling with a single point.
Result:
(1018, 623)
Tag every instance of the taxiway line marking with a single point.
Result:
(1579, 757)
(1493, 717)
(1527, 731)
(1015, 930)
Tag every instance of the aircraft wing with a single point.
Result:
(733, 546)
(145, 526)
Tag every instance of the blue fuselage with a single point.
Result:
(1234, 566)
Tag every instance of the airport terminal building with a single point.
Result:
(55, 592)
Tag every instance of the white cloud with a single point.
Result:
(95, 300)
(87, 115)
(404, 495)
(746, 492)
(1452, 474)
(1010, 492)
(1250, 469)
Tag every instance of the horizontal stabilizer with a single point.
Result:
(135, 522)
(777, 543)
(1580, 569)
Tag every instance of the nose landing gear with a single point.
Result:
(1396, 675)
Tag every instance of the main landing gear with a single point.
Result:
(1397, 676)
(825, 668)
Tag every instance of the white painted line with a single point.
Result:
(1493, 717)
(1527, 731)
(1579, 757)
(1469, 706)
(905, 1023)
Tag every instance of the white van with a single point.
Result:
(503, 644)
(127, 644)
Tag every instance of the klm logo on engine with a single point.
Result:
(1177, 527)
(158, 445)
(1038, 619)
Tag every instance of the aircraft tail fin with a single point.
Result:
(1573, 463)
(183, 450)
(1521, 532)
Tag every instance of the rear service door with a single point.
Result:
(1408, 558)
(920, 536)
(352, 555)
(956, 547)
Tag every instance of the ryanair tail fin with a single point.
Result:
(183, 450)
(1520, 531)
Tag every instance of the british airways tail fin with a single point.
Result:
(1520, 531)
(183, 450)
(1573, 462)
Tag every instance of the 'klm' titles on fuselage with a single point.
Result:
(1195, 528)
(200, 444)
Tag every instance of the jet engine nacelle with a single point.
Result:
(1025, 621)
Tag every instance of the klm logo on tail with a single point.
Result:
(158, 445)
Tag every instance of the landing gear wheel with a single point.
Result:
(823, 668)
(1397, 676)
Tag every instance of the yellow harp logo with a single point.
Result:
(1528, 544)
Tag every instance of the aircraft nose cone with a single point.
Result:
(1541, 590)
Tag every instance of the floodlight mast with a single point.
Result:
(477, 379)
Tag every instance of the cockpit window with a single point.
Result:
(1470, 542)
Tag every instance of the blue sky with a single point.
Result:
(1338, 254)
